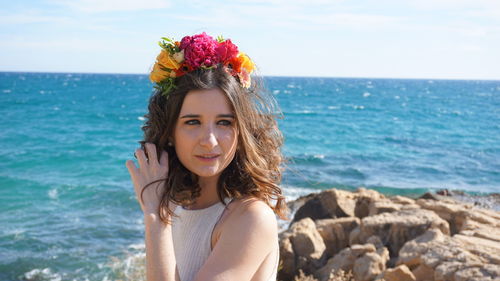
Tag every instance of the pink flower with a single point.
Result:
(199, 50)
(226, 50)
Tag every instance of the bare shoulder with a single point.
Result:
(251, 212)
(250, 208)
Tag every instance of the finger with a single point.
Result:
(164, 158)
(151, 150)
(141, 157)
(132, 169)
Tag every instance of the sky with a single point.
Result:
(438, 39)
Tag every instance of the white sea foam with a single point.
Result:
(53, 194)
(131, 266)
(139, 246)
(366, 94)
(293, 192)
(42, 274)
(6, 91)
(141, 118)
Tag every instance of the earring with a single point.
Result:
(170, 144)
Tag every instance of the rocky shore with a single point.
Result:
(364, 235)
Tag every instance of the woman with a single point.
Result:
(208, 175)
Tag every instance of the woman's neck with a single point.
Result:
(208, 194)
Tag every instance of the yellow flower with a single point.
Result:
(158, 74)
(246, 62)
(167, 61)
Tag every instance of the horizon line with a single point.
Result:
(270, 76)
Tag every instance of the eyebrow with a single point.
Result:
(198, 116)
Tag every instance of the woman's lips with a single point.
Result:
(207, 157)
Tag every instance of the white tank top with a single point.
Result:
(192, 235)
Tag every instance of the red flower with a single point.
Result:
(226, 50)
(199, 50)
(183, 69)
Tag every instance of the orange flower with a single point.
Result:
(246, 62)
(183, 69)
(235, 64)
(167, 61)
(158, 74)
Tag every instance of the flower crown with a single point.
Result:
(195, 52)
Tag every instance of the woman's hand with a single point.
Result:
(149, 170)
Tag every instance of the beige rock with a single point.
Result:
(330, 203)
(344, 260)
(450, 258)
(369, 193)
(415, 233)
(301, 247)
(431, 249)
(400, 273)
(306, 240)
(354, 236)
(375, 241)
(335, 233)
(365, 197)
(287, 258)
(446, 270)
(487, 249)
(368, 267)
(473, 228)
(383, 206)
(402, 200)
(459, 215)
(487, 273)
(396, 228)
(424, 273)
(338, 203)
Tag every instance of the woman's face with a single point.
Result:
(205, 134)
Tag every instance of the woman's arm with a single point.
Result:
(248, 236)
(160, 258)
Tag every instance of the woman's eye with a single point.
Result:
(225, 122)
(192, 122)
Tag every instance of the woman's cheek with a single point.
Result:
(228, 134)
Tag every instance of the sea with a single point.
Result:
(67, 206)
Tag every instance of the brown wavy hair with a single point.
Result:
(256, 168)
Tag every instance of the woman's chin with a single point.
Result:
(207, 173)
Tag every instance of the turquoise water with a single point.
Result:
(67, 207)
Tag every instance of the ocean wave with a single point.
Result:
(316, 159)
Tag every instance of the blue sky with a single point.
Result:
(458, 39)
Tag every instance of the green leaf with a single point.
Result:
(168, 40)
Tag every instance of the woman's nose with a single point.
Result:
(208, 139)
